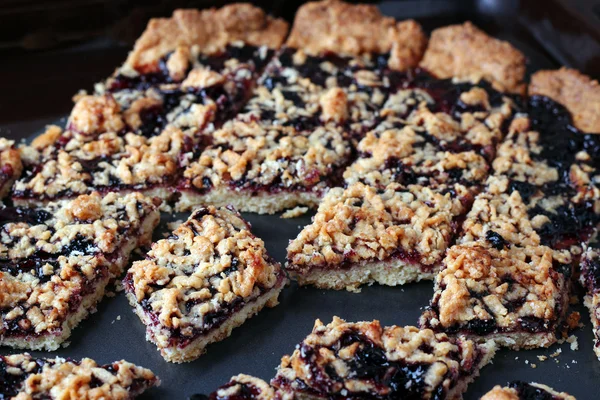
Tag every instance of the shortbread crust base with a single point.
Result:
(261, 203)
(388, 272)
(51, 341)
(197, 347)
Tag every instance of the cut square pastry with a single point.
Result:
(516, 296)
(362, 235)
(56, 261)
(264, 170)
(208, 277)
(25, 377)
(364, 360)
(525, 391)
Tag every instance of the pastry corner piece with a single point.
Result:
(355, 29)
(57, 260)
(525, 391)
(514, 296)
(577, 92)
(207, 278)
(242, 387)
(207, 31)
(25, 377)
(362, 235)
(365, 360)
(466, 52)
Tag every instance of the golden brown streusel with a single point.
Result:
(511, 392)
(11, 165)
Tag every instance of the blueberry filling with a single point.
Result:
(527, 392)
(496, 240)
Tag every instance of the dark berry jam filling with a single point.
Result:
(11, 384)
(527, 392)
(590, 270)
(391, 379)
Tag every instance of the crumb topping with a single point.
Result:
(244, 387)
(28, 378)
(361, 224)
(11, 165)
(247, 156)
(354, 359)
(93, 115)
(193, 279)
(484, 290)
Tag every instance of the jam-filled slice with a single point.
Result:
(208, 277)
(56, 261)
(25, 377)
(345, 360)
(241, 387)
(362, 235)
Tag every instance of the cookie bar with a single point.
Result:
(64, 164)
(241, 387)
(25, 377)
(264, 170)
(515, 296)
(525, 391)
(362, 235)
(11, 166)
(56, 261)
(590, 280)
(364, 360)
(208, 277)
(465, 52)
(333, 26)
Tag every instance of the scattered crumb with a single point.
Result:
(574, 300)
(65, 344)
(119, 287)
(295, 212)
(174, 225)
(110, 293)
(517, 357)
(526, 361)
(573, 320)
(573, 341)
(533, 365)
(542, 358)
(165, 207)
(118, 317)
(556, 353)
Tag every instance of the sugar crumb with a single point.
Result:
(294, 212)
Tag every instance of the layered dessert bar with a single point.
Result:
(208, 277)
(361, 235)
(11, 166)
(364, 360)
(56, 261)
(25, 377)
(241, 387)
(185, 76)
(313, 97)
(525, 391)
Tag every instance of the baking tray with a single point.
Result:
(114, 332)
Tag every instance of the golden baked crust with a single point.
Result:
(361, 224)
(56, 261)
(36, 378)
(365, 359)
(347, 29)
(199, 277)
(465, 52)
(576, 91)
(590, 280)
(206, 31)
(521, 390)
(482, 291)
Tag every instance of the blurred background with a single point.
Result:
(50, 49)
